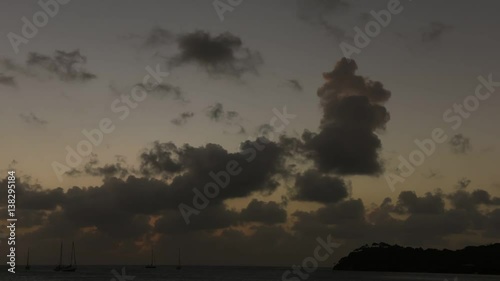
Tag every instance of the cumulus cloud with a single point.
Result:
(409, 202)
(191, 167)
(315, 187)
(353, 110)
(267, 213)
(223, 54)
(113, 218)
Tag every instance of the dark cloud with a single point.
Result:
(230, 118)
(113, 218)
(92, 168)
(223, 54)
(432, 174)
(470, 201)
(265, 130)
(190, 167)
(212, 218)
(342, 220)
(161, 158)
(66, 66)
(7, 80)
(463, 183)
(352, 112)
(267, 213)
(460, 144)
(409, 202)
(217, 113)
(182, 118)
(295, 84)
(343, 212)
(32, 119)
(315, 187)
(434, 31)
(165, 90)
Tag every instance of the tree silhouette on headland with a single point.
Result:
(385, 257)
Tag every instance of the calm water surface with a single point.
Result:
(139, 273)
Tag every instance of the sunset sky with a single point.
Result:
(229, 75)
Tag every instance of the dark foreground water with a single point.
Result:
(139, 273)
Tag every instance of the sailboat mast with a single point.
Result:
(74, 253)
(28, 260)
(60, 254)
(71, 255)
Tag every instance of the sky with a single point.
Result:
(295, 120)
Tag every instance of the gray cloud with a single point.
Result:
(223, 54)
(460, 144)
(295, 84)
(217, 113)
(182, 118)
(165, 90)
(112, 217)
(315, 187)
(66, 66)
(92, 168)
(268, 213)
(32, 119)
(352, 111)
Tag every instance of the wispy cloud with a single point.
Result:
(32, 119)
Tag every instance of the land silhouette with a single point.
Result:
(394, 258)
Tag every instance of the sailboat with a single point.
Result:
(72, 264)
(152, 265)
(28, 266)
(179, 262)
(59, 266)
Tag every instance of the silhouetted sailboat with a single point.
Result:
(152, 265)
(179, 262)
(72, 264)
(28, 266)
(59, 266)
